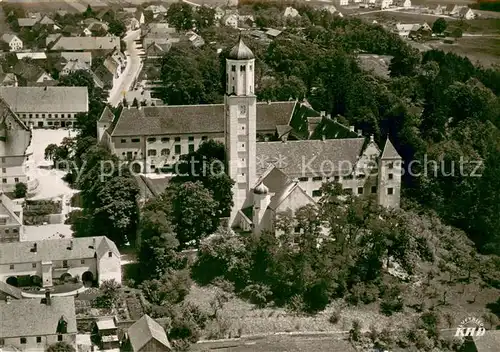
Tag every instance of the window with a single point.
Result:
(391, 165)
(336, 178)
(36, 115)
(38, 339)
(49, 123)
(243, 68)
(110, 254)
(2, 342)
(24, 115)
(3, 221)
(349, 177)
(191, 148)
(4, 170)
(317, 193)
(31, 115)
(250, 67)
(177, 149)
(16, 180)
(303, 179)
(82, 261)
(55, 115)
(123, 141)
(360, 176)
(153, 167)
(152, 152)
(43, 115)
(390, 191)
(11, 267)
(4, 180)
(374, 189)
(151, 140)
(360, 190)
(317, 178)
(62, 116)
(177, 139)
(7, 231)
(191, 138)
(50, 115)
(33, 265)
(165, 139)
(233, 68)
(296, 229)
(391, 176)
(15, 230)
(135, 140)
(65, 263)
(59, 338)
(23, 340)
(165, 152)
(204, 138)
(348, 190)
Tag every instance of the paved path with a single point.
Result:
(132, 70)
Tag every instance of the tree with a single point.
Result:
(21, 189)
(204, 17)
(193, 211)
(171, 288)
(88, 13)
(439, 26)
(111, 290)
(207, 165)
(180, 15)
(61, 346)
(50, 151)
(457, 33)
(117, 28)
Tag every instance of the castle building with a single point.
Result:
(279, 153)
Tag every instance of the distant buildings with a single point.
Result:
(35, 324)
(88, 258)
(15, 44)
(46, 106)
(466, 13)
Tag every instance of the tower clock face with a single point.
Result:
(243, 109)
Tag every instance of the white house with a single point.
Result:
(291, 12)
(88, 258)
(231, 20)
(344, 2)
(13, 40)
(404, 3)
(466, 13)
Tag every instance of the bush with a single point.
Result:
(391, 305)
(429, 321)
(257, 294)
(335, 317)
(20, 190)
(355, 332)
(366, 293)
(171, 288)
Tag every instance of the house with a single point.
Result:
(436, 9)
(231, 20)
(156, 10)
(195, 39)
(403, 3)
(147, 335)
(30, 74)
(87, 258)
(8, 79)
(32, 55)
(74, 66)
(261, 154)
(384, 4)
(27, 22)
(451, 10)
(95, 26)
(34, 324)
(344, 2)
(15, 44)
(46, 106)
(404, 30)
(132, 13)
(86, 43)
(15, 153)
(49, 23)
(219, 14)
(466, 13)
(11, 217)
(85, 56)
(116, 63)
(107, 333)
(291, 12)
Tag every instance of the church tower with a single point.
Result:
(240, 123)
(389, 177)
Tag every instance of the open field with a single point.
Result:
(482, 50)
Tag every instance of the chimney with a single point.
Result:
(360, 133)
(322, 113)
(7, 299)
(372, 140)
(47, 298)
(351, 128)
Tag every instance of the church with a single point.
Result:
(279, 153)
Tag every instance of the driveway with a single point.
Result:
(134, 65)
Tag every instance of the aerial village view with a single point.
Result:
(252, 175)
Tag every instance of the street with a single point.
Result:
(134, 64)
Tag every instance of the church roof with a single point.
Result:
(194, 119)
(241, 52)
(297, 158)
(389, 151)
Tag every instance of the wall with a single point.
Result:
(109, 268)
(46, 341)
(45, 119)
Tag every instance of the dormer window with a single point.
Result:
(110, 254)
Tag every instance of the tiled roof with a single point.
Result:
(76, 65)
(30, 72)
(389, 151)
(46, 99)
(87, 43)
(107, 116)
(145, 329)
(10, 290)
(195, 119)
(241, 52)
(48, 250)
(30, 317)
(27, 22)
(8, 208)
(300, 157)
(85, 56)
(7, 37)
(46, 20)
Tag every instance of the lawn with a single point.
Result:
(482, 50)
